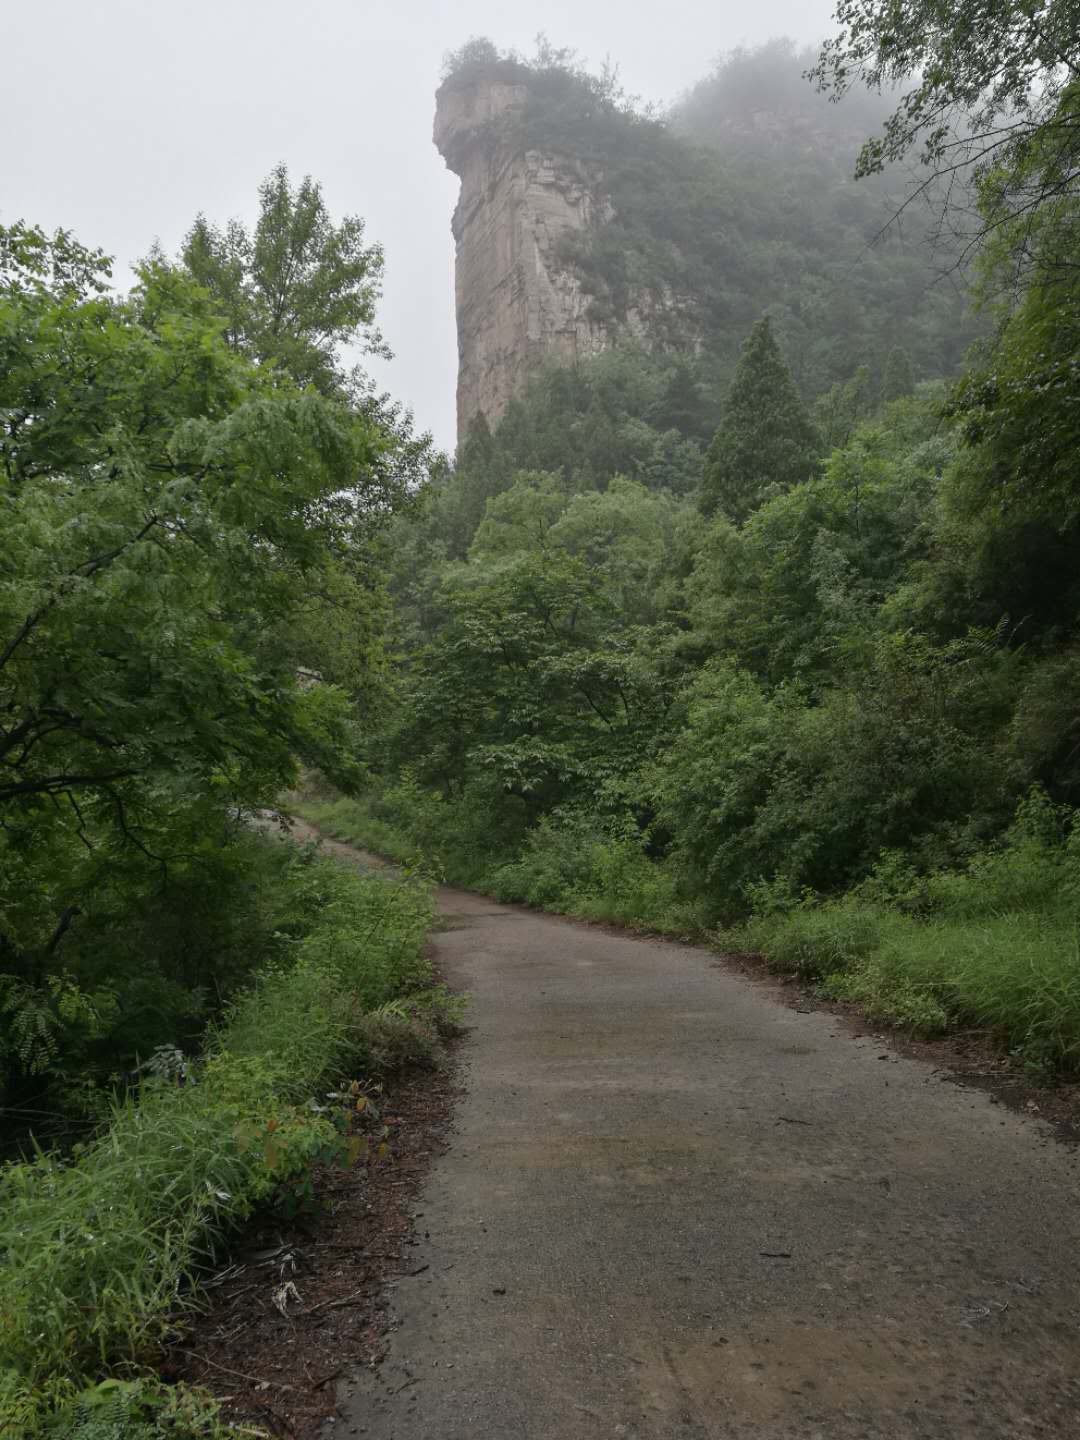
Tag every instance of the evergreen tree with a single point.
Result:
(898, 379)
(684, 406)
(478, 479)
(841, 409)
(765, 442)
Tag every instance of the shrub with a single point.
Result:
(816, 787)
(622, 885)
(97, 1256)
(176, 956)
(551, 864)
(995, 943)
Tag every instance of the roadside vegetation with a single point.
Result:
(103, 1250)
(194, 494)
(762, 627)
(781, 649)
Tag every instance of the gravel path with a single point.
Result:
(676, 1208)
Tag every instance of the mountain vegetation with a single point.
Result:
(741, 199)
(762, 627)
(192, 603)
(768, 631)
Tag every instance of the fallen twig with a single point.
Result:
(239, 1374)
(330, 1304)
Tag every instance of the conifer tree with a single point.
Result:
(765, 442)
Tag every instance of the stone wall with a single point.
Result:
(517, 306)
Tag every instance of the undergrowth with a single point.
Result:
(569, 863)
(99, 1256)
(994, 943)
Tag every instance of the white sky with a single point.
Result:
(121, 119)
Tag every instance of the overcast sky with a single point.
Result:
(121, 119)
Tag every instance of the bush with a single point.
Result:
(599, 869)
(551, 866)
(140, 971)
(620, 884)
(99, 1255)
(761, 783)
(995, 943)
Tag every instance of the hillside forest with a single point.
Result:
(774, 638)
(761, 629)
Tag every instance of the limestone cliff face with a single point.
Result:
(517, 305)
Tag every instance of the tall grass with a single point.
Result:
(97, 1256)
(994, 944)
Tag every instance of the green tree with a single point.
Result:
(297, 288)
(539, 679)
(169, 508)
(765, 442)
(898, 379)
(797, 592)
(994, 98)
(841, 408)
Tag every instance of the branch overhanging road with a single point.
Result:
(674, 1207)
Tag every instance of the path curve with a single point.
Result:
(675, 1208)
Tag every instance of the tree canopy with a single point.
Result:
(191, 596)
(765, 442)
(297, 288)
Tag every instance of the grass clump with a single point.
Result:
(577, 866)
(995, 943)
(98, 1256)
(809, 942)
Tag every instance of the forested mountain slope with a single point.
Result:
(585, 221)
(771, 620)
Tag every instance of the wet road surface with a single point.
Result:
(673, 1207)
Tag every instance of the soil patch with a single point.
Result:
(305, 1300)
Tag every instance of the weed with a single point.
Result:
(100, 1255)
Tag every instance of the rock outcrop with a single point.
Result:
(518, 302)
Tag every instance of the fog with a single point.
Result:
(124, 118)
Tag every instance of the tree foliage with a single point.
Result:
(191, 599)
(295, 289)
(765, 442)
(992, 104)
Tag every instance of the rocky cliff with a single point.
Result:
(518, 303)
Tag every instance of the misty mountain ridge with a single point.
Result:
(689, 225)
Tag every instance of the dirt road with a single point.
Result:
(676, 1208)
